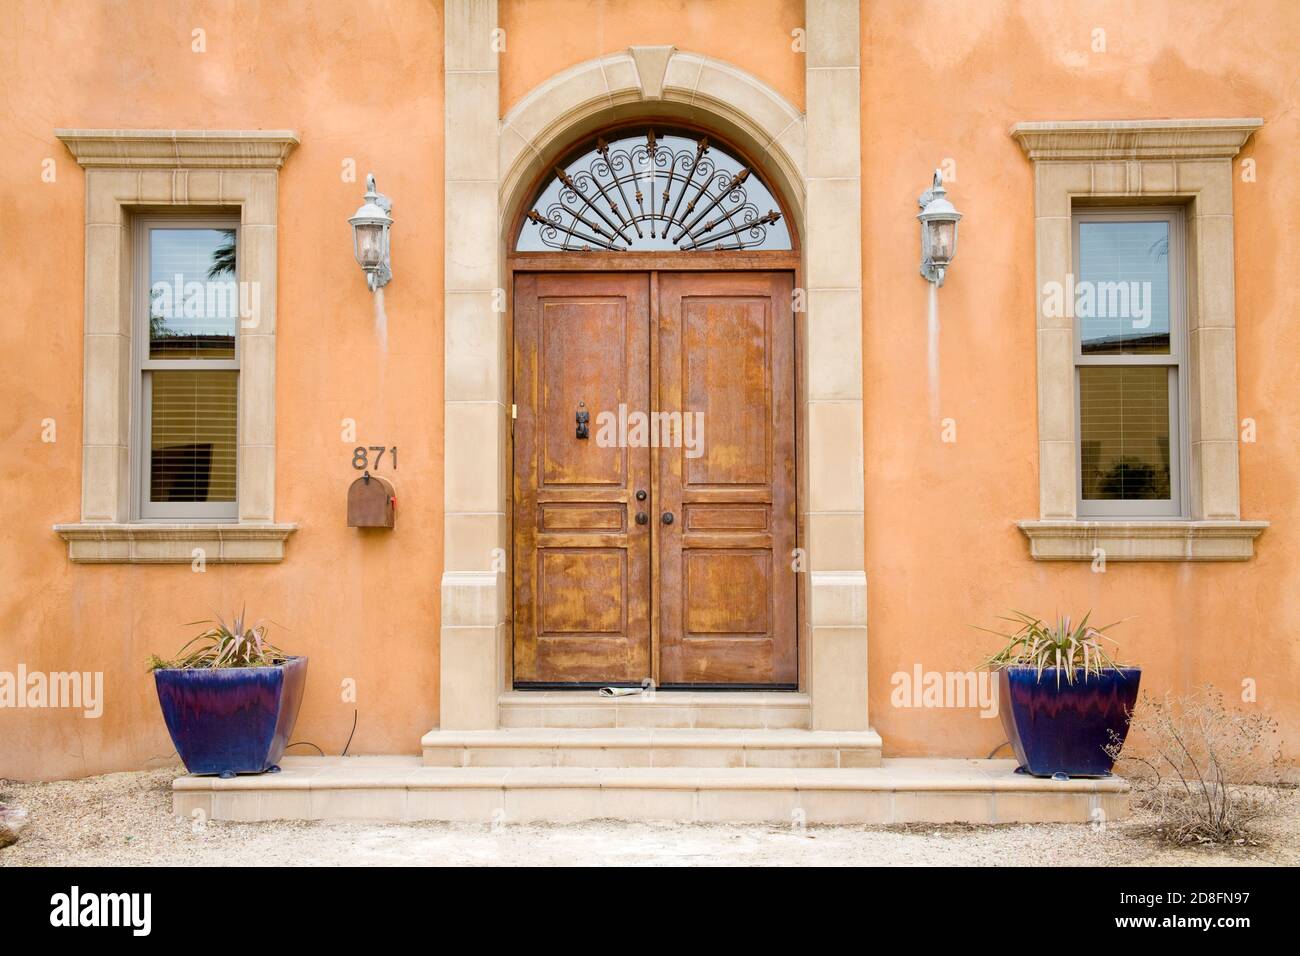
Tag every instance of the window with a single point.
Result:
(196, 474)
(1137, 379)
(661, 189)
(1129, 310)
(187, 306)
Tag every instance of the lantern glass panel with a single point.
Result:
(943, 239)
(369, 241)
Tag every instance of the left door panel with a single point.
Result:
(581, 562)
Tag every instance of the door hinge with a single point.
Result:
(514, 412)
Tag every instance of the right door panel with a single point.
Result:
(726, 496)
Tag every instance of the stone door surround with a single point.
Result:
(812, 157)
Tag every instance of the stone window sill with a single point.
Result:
(1074, 540)
(157, 543)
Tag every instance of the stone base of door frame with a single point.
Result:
(901, 790)
(476, 645)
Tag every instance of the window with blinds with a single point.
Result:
(1124, 433)
(1129, 320)
(192, 418)
(188, 368)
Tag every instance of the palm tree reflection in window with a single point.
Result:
(185, 321)
(223, 257)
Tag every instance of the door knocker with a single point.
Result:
(584, 417)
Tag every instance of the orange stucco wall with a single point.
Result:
(364, 81)
(942, 552)
(546, 36)
(359, 81)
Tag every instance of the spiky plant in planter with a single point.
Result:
(1070, 650)
(1062, 725)
(225, 645)
(230, 698)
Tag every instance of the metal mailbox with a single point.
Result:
(371, 503)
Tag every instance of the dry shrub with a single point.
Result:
(1203, 771)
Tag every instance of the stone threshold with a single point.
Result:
(901, 790)
(757, 710)
(650, 747)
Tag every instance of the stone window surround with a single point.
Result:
(812, 158)
(129, 170)
(1148, 162)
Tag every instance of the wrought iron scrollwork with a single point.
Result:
(647, 192)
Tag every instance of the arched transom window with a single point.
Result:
(654, 190)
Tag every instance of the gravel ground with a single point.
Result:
(125, 819)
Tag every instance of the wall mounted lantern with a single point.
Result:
(370, 228)
(938, 230)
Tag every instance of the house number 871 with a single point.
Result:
(361, 456)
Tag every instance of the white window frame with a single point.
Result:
(1176, 505)
(142, 365)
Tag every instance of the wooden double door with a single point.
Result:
(654, 479)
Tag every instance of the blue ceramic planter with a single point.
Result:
(230, 720)
(1065, 729)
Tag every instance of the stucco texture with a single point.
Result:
(942, 552)
(546, 36)
(364, 81)
(358, 81)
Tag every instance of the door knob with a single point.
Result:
(640, 494)
(642, 517)
(668, 517)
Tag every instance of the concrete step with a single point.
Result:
(901, 790)
(723, 710)
(660, 747)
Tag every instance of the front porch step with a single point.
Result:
(901, 790)
(722, 710)
(661, 747)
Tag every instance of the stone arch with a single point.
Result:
(657, 82)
